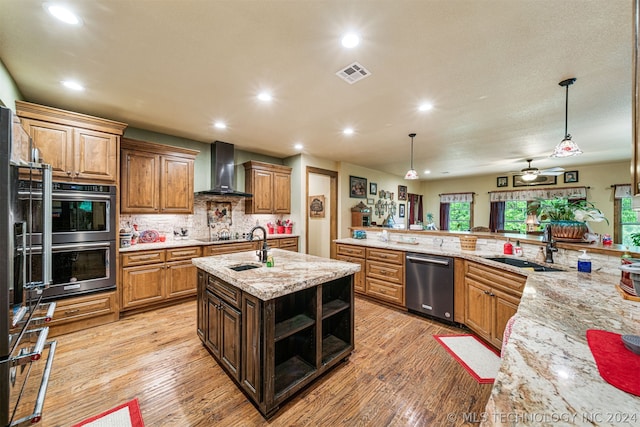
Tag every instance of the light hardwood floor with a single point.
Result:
(398, 375)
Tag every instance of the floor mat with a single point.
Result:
(125, 415)
(481, 361)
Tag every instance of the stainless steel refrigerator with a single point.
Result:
(24, 369)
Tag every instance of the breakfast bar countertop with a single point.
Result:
(548, 375)
(292, 272)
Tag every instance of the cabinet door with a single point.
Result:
(231, 339)
(55, 143)
(95, 156)
(182, 279)
(478, 308)
(262, 190)
(504, 306)
(359, 277)
(281, 193)
(139, 184)
(251, 347)
(202, 304)
(176, 187)
(142, 285)
(213, 330)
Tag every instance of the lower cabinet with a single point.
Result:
(274, 348)
(492, 297)
(74, 314)
(149, 278)
(356, 255)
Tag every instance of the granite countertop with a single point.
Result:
(193, 242)
(292, 272)
(548, 375)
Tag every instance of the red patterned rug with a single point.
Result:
(125, 415)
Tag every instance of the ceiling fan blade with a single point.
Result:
(555, 169)
(550, 172)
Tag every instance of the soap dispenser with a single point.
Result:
(584, 262)
(508, 248)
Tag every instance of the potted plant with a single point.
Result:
(568, 218)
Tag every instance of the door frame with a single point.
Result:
(333, 203)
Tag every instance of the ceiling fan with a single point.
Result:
(530, 174)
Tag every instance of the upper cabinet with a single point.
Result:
(270, 186)
(78, 147)
(156, 178)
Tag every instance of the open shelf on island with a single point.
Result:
(292, 325)
(332, 346)
(333, 307)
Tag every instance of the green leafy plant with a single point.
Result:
(635, 238)
(561, 209)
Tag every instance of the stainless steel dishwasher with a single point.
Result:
(429, 285)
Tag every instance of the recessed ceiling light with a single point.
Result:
(220, 125)
(427, 171)
(425, 106)
(264, 96)
(298, 146)
(63, 14)
(72, 85)
(348, 131)
(350, 40)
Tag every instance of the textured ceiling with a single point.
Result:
(491, 69)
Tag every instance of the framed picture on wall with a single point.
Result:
(358, 187)
(570, 176)
(373, 188)
(540, 180)
(316, 206)
(401, 210)
(402, 192)
(503, 181)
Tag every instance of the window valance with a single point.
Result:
(622, 190)
(543, 193)
(456, 197)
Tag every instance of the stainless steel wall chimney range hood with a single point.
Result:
(223, 171)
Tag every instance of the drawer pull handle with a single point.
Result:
(72, 311)
(182, 253)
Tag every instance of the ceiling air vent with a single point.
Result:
(353, 73)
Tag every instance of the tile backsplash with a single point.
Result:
(197, 223)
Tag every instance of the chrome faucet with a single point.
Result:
(550, 247)
(262, 254)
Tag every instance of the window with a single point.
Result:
(628, 224)
(460, 216)
(515, 214)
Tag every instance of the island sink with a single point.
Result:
(244, 267)
(523, 264)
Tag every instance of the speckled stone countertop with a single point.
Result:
(292, 272)
(192, 242)
(548, 375)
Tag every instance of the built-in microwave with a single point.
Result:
(80, 212)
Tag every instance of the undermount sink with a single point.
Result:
(244, 267)
(523, 264)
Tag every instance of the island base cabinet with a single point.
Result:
(274, 348)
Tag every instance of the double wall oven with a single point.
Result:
(83, 236)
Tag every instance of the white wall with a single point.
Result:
(8, 90)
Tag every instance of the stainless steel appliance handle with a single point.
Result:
(74, 246)
(47, 213)
(66, 196)
(427, 260)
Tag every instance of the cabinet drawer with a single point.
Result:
(385, 291)
(394, 257)
(289, 242)
(141, 258)
(230, 294)
(497, 278)
(387, 272)
(177, 254)
(229, 248)
(354, 251)
(72, 309)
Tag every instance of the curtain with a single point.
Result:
(571, 193)
(444, 216)
(415, 208)
(622, 190)
(496, 216)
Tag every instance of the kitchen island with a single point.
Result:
(274, 330)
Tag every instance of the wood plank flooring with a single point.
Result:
(398, 375)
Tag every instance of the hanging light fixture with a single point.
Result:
(411, 173)
(566, 147)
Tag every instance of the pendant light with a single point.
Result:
(566, 147)
(411, 173)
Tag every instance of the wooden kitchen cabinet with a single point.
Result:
(80, 148)
(385, 275)
(156, 178)
(356, 255)
(491, 298)
(270, 186)
(78, 313)
(288, 243)
(150, 278)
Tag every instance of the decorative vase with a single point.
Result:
(568, 230)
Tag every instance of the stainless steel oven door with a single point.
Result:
(77, 268)
(77, 215)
